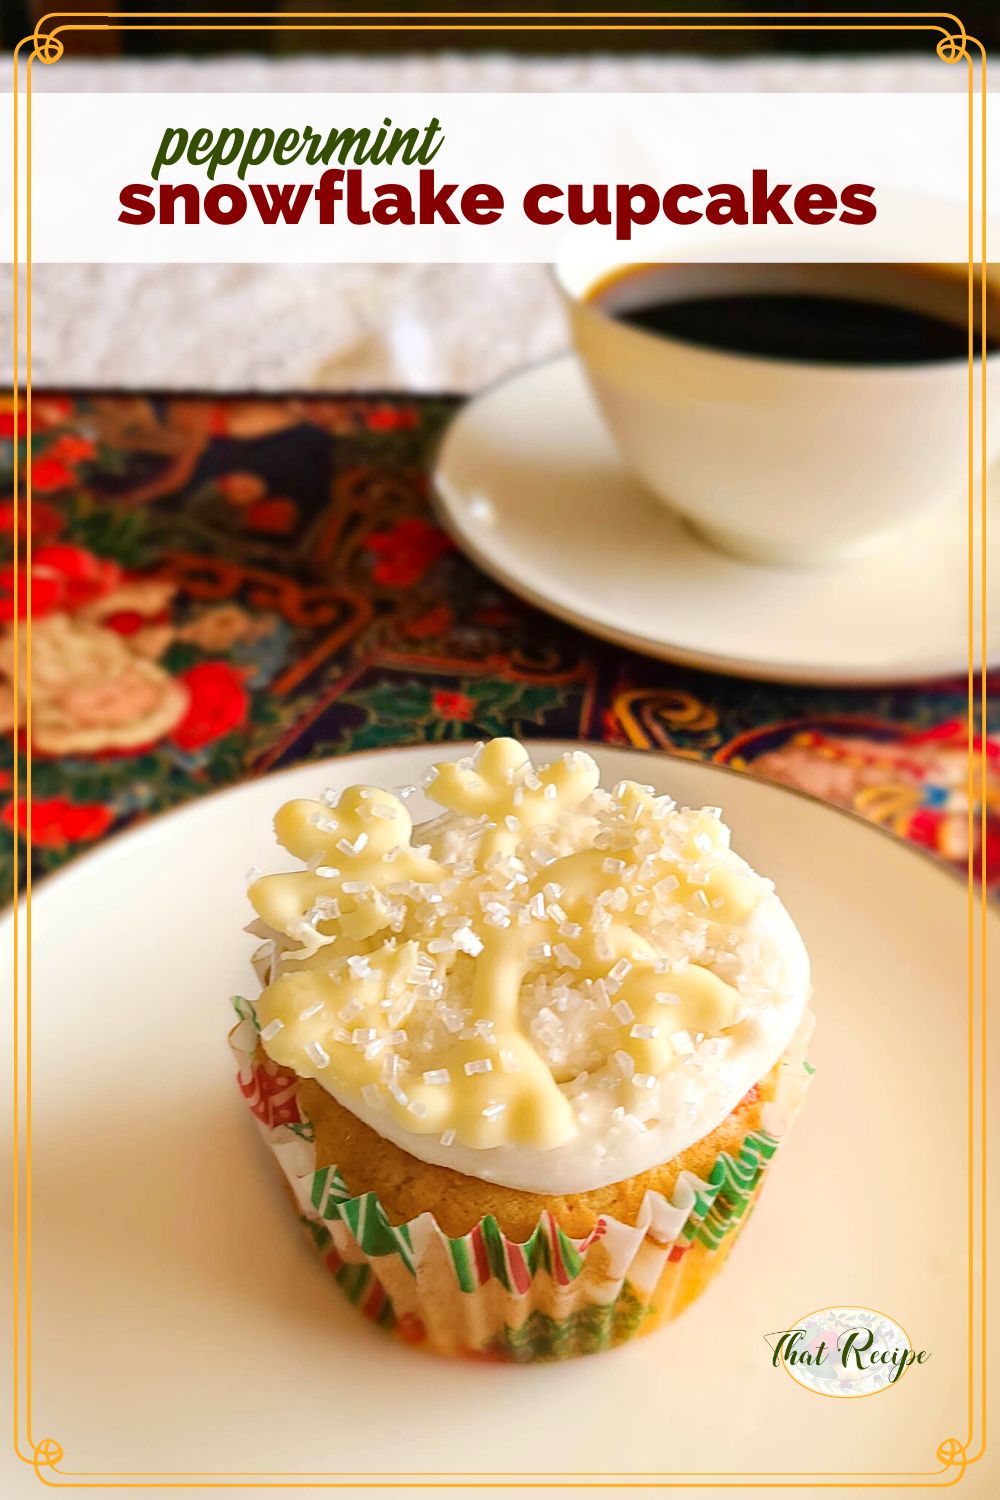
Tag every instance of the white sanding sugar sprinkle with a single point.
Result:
(324, 824)
(466, 941)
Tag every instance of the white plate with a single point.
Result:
(531, 486)
(182, 1323)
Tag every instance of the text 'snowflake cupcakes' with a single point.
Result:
(524, 1067)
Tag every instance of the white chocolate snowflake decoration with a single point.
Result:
(503, 787)
(548, 938)
(353, 852)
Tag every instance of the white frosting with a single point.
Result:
(598, 1064)
(688, 1102)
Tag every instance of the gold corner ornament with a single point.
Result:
(45, 1455)
(953, 1454)
(953, 47)
(47, 48)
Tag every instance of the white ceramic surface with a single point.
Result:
(182, 1323)
(531, 485)
(782, 461)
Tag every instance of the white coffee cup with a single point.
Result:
(780, 461)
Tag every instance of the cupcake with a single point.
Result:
(525, 1066)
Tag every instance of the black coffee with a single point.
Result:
(927, 323)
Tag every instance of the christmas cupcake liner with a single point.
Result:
(485, 1296)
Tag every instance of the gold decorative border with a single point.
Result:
(954, 44)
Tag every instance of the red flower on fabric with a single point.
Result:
(128, 621)
(406, 551)
(56, 821)
(82, 575)
(455, 706)
(62, 578)
(44, 520)
(125, 621)
(276, 517)
(71, 448)
(218, 704)
(44, 594)
(49, 474)
(991, 851)
(390, 418)
(13, 424)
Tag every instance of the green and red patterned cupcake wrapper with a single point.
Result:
(484, 1295)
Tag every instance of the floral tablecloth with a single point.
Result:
(224, 586)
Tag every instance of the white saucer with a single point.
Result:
(181, 1322)
(531, 486)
